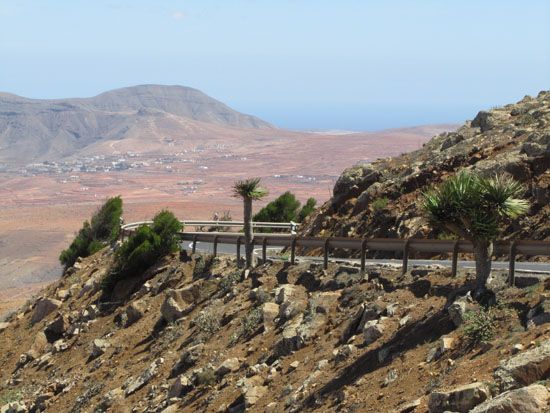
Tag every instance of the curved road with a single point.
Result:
(527, 267)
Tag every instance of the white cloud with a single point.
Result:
(178, 15)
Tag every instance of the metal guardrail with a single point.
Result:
(406, 246)
(292, 226)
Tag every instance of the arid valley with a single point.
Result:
(191, 173)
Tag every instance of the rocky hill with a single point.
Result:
(196, 334)
(34, 130)
(381, 199)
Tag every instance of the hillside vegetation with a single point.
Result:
(384, 198)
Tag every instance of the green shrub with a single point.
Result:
(103, 228)
(226, 283)
(251, 321)
(207, 323)
(307, 209)
(206, 377)
(285, 208)
(379, 204)
(480, 325)
(144, 247)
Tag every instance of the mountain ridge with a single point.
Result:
(39, 129)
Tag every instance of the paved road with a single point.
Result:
(534, 267)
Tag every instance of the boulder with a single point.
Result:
(14, 407)
(253, 394)
(43, 307)
(98, 348)
(134, 312)
(188, 359)
(137, 383)
(524, 368)
(171, 311)
(270, 311)
(292, 300)
(353, 181)
(530, 399)
(372, 331)
(3, 326)
(55, 329)
(180, 387)
(458, 308)
(539, 314)
(228, 366)
(461, 399)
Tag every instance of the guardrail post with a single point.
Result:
(238, 252)
(363, 255)
(194, 249)
(264, 250)
(325, 260)
(512, 268)
(293, 251)
(454, 267)
(215, 251)
(405, 256)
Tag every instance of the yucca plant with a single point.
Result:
(474, 208)
(249, 190)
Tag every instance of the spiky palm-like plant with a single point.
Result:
(474, 207)
(249, 190)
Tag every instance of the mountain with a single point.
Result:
(35, 130)
(381, 199)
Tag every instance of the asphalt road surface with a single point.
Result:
(531, 267)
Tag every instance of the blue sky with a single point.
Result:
(303, 64)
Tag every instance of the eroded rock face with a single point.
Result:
(461, 399)
(524, 368)
(353, 181)
(530, 399)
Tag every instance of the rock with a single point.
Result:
(253, 394)
(180, 387)
(539, 314)
(292, 300)
(14, 407)
(98, 348)
(134, 312)
(294, 365)
(403, 321)
(516, 348)
(63, 294)
(90, 313)
(228, 366)
(446, 344)
(524, 368)
(383, 354)
(170, 310)
(343, 352)
(372, 331)
(91, 286)
(4, 326)
(409, 407)
(135, 384)
(458, 308)
(188, 359)
(530, 399)
(270, 311)
(55, 329)
(271, 408)
(484, 120)
(390, 377)
(291, 337)
(43, 307)
(461, 399)
(353, 181)
(60, 346)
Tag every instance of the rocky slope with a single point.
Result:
(33, 130)
(196, 334)
(381, 199)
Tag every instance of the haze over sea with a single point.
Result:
(347, 65)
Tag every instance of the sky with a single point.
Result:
(299, 64)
